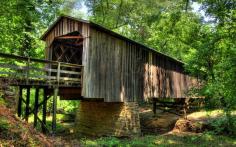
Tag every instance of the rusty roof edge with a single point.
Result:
(108, 31)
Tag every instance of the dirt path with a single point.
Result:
(161, 123)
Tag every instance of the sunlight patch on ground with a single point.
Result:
(206, 114)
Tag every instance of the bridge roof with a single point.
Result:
(43, 37)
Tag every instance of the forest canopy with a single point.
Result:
(204, 39)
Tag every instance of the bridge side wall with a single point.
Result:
(119, 70)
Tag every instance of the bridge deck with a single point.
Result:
(24, 71)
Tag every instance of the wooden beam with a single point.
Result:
(40, 104)
(11, 56)
(166, 110)
(27, 109)
(36, 106)
(54, 110)
(69, 37)
(43, 125)
(19, 110)
(44, 110)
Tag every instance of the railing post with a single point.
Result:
(54, 117)
(44, 109)
(20, 102)
(27, 104)
(50, 72)
(55, 91)
(27, 71)
(58, 73)
(36, 101)
(82, 76)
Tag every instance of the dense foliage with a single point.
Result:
(205, 42)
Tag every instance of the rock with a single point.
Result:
(185, 125)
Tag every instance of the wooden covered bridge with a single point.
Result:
(108, 72)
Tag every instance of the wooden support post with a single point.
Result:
(44, 110)
(20, 102)
(185, 113)
(186, 106)
(27, 104)
(36, 106)
(27, 71)
(54, 110)
(154, 106)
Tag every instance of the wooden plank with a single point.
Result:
(36, 106)
(43, 125)
(44, 110)
(112, 70)
(19, 110)
(106, 79)
(69, 37)
(21, 58)
(95, 64)
(27, 108)
(122, 92)
(118, 56)
(54, 70)
(55, 91)
(99, 64)
(58, 73)
(102, 66)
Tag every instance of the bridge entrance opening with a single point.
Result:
(68, 48)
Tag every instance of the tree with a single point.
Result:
(22, 23)
(214, 58)
(155, 23)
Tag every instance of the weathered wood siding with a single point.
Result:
(120, 70)
(64, 26)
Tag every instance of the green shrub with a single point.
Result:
(2, 101)
(223, 125)
(4, 125)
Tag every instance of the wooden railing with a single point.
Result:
(31, 71)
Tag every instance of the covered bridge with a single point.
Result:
(115, 69)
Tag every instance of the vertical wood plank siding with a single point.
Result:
(119, 70)
(64, 26)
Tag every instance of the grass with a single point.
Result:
(203, 140)
(61, 127)
(2, 102)
(207, 139)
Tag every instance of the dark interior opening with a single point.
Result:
(68, 48)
